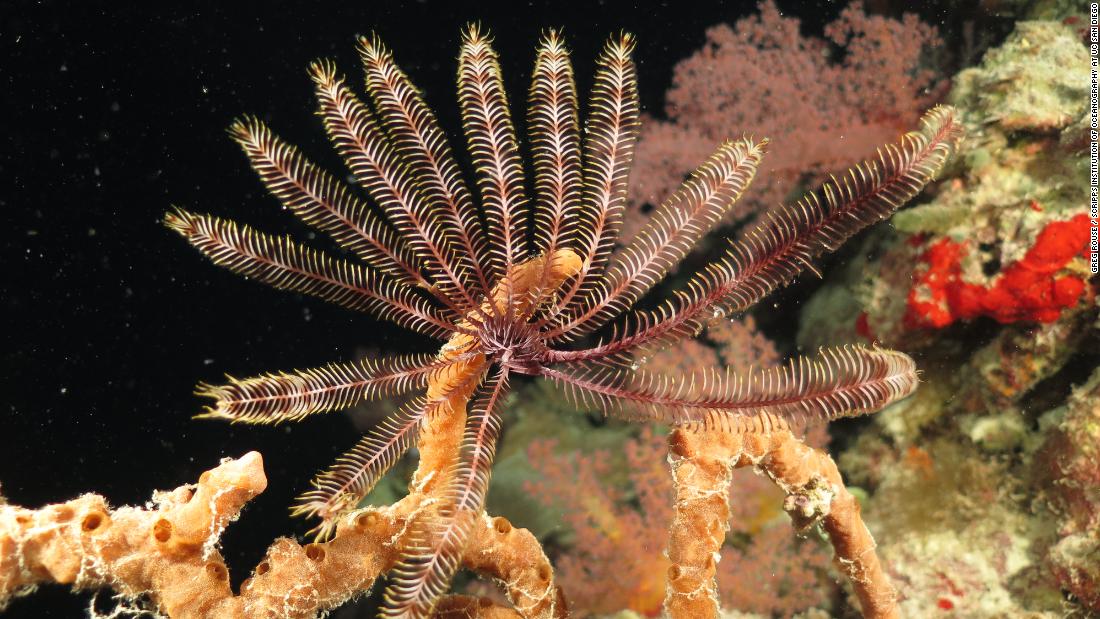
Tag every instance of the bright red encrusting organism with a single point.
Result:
(928, 304)
(863, 327)
(1029, 289)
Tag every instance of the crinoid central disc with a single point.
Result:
(512, 341)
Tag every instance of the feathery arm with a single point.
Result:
(491, 141)
(837, 383)
(339, 490)
(610, 135)
(323, 202)
(380, 169)
(284, 264)
(415, 134)
(437, 538)
(290, 396)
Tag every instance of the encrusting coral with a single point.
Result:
(508, 298)
(1073, 452)
(976, 485)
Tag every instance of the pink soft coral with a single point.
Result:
(822, 101)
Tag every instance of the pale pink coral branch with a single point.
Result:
(763, 76)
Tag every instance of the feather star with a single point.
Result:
(511, 283)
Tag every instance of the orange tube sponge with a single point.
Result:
(816, 494)
(702, 463)
(167, 554)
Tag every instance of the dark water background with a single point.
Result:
(111, 114)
